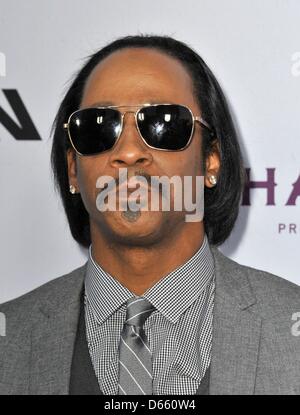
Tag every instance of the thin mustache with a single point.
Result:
(137, 174)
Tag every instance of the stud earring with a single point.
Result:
(72, 189)
(212, 179)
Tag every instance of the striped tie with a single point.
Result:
(135, 363)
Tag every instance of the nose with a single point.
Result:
(130, 149)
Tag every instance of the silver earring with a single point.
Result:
(72, 189)
(212, 179)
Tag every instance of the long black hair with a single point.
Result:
(221, 201)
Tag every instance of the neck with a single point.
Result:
(139, 267)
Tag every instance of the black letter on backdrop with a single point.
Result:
(27, 131)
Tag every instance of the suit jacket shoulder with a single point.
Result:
(55, 294)
(55, 290)
(256, 344)
(272, 293)
(39, 325)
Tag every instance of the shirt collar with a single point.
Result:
(171, 295)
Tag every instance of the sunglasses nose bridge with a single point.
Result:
(130, 148)
(128, 112)
(133, 122)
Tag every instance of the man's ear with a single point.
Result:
(72, 168)
(212, 164)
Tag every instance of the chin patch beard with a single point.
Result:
(130, 215)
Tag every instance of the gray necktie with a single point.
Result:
(135, 356)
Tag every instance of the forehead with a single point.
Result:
(138, 75)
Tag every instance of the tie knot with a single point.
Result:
(138, 310)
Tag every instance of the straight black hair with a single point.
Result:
(221, 202)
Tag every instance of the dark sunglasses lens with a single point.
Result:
(94, 130)
(167, 127)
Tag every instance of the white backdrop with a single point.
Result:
(252, 46)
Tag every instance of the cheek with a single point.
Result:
(87, 177)
(189, 162)
(198, 168)
(82, 174)
(197, 158)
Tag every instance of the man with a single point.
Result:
(157, 308)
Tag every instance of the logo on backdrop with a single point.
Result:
(26, 129)
(269, 186)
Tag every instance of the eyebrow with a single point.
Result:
(102, 104)
(110, 103)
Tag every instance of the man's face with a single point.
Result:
(129, 77)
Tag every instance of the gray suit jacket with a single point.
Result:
(255, 350)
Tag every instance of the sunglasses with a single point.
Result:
(166, 127)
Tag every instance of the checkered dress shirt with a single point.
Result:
(179, 331)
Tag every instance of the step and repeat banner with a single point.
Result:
(253, 48)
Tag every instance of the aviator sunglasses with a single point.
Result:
(166, 127)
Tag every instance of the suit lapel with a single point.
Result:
(53, 338)
(236, 330)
